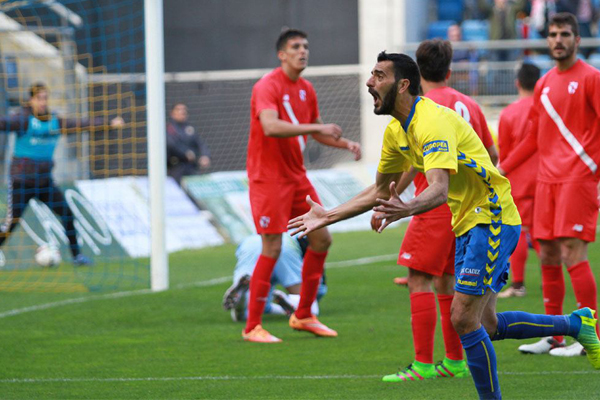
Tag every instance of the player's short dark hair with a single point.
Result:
(36, 88)
(528, 75)
(565, 18)
(404, 68)
(433, 58)
(179, 103)
(287, 35)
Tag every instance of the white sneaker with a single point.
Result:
(282, 300)
(542, 347)
(512, 292)
(576, 349)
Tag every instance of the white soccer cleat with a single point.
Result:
(576, 349)
(283, 300)
(541, 347)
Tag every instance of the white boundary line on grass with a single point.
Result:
(264, 377)
(210, 282)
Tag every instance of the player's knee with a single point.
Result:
(461, 322)
(444, 284)
(490, 324)
(271, 246)
(550, 255)
(419, 281)
(573, 251)
(321, 243)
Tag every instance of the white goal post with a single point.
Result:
(157, 170)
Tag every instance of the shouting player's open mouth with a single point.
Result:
(375, 95)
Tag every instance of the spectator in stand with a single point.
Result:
(586, 11)
(465, 78)
(503, 17)
(187, 154)
(458, 55)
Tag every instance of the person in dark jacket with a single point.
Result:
(187, 154)
(38, 131)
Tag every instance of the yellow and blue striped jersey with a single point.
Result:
(437, 137)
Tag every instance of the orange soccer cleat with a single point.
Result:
(259, 335)
(311, 325)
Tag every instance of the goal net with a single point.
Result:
(92, 209)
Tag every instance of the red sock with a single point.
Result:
(312, 271)
(454, 350)
(584, 285)
(260, 283)
(553, 288)
(519, 259)
(423, 314)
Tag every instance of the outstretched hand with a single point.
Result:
(315, 219)
(355, 149)
(390, 210)
(376, 221)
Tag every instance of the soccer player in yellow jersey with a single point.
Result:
(442, 145)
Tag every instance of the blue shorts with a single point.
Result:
(481, 259)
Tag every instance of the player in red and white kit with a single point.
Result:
(513, 126)
(566, 133)
(284, 111)
(428, 246)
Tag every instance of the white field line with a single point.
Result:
(265, 377)
(210, 282)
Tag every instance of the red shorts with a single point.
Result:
(274, 204)
(525, 207)
(428, 246)
(568, 209)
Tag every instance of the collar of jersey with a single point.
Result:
(412, 113)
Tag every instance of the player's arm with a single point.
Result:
(522, 152)
(405, 180)
(318, 217)
(17, 122)
(72, 125)
(529, 145)
(493, 154)
(275, 127)
(340, 143)
(434, 196)
(481, 128)
(504, 137)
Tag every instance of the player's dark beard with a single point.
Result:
(387, 104)
(568, 52)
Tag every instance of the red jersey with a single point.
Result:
(513, 127)
(565, 126)
(471, 112)
(279, 159)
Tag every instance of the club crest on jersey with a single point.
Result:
(435, 146)
(189, 130)
(264, 221)
(302, 94)
(572, 87)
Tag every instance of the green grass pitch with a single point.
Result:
(180, 344)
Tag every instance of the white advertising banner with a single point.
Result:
(124, 205)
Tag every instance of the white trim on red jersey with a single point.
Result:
(290, 112)
(566, 133)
